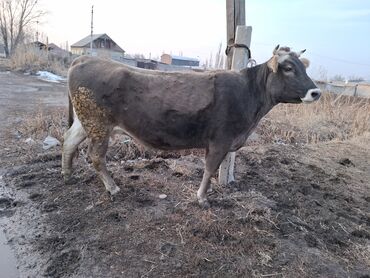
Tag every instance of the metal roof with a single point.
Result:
(184, 58)
(85, 42)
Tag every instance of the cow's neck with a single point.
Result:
(261, 104)
(256, 82)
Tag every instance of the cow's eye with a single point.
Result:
(288, 69)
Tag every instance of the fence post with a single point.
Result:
(240, 60)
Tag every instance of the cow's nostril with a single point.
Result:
(315, 95)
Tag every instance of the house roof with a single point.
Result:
(38, 43)
(184, 58)
(57, 50)
(54, 46)
(85, 42)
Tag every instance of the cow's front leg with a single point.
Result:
(214, 156)
(98, 150)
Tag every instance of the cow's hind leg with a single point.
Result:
(214, 156)
(72, 138)
(98, 150)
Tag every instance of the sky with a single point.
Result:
(336, 33)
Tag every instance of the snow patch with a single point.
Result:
(50, 77)
(50, 142)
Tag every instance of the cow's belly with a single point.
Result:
(165, 129)
(166, 137)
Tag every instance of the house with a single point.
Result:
(38, 45)
(147, 64)
(57, 51)
(102, 46)
(179, 60)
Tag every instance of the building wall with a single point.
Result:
(104, 43)
(166, 59)
(130, 62)
(169, 60)
(188, 63)
(78, 51)
(98, 52)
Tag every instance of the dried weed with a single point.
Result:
(333, 117)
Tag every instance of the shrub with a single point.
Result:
(29, 58)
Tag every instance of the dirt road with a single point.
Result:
(21, 95)
(295, 211)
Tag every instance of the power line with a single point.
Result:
(340, 60)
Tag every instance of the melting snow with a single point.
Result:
(48, 76)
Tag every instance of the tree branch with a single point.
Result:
(15, 15)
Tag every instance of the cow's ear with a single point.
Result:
(305, 62)
(273, 63)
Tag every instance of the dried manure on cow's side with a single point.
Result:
(215, 111)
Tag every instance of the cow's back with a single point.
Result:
(188, 92)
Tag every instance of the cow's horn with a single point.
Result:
(301, 52)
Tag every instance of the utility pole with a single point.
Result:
(92, 26)
(238, 55)
(37, 31)
(235, 15)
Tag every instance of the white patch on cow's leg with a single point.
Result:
(72, 138)
(214, 157)
(107, 180)
(97, 154)
(311, 95)
(204, 186)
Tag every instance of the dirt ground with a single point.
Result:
(294, 211)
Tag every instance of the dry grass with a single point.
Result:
(44, 123)
(333, 117)
(30, 59)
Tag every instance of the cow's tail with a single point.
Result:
(70, 111)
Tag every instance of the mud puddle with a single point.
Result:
(7, 259)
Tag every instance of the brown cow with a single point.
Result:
(215, 110)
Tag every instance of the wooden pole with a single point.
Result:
(235, 15)
(237, 59)
(92, 28)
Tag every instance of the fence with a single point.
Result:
(349, 89)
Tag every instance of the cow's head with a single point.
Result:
(288, 81)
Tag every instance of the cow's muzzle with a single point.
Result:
(311, 95)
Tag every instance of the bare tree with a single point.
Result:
(15, 17)
(219, 61)
(338, 77)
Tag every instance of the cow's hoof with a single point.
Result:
(204, 204)
(114, 190)
(70, 180)
(66, 177)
